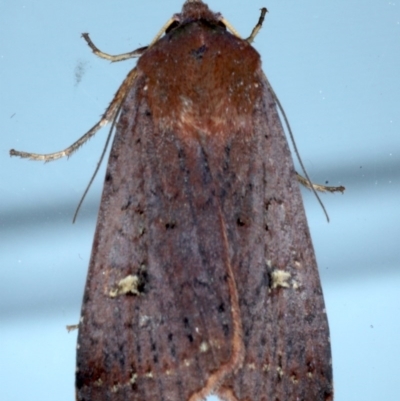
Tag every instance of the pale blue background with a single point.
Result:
(336, 68)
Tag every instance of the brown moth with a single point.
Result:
(202, 278)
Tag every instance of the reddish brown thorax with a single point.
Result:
(191, 98)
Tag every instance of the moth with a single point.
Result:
(202, 278)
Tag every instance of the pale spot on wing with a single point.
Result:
(128, 284)
(280, 278)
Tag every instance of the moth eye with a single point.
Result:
(172, 26)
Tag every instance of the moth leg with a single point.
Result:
(257, 28)
(119, 57)
(318, 187)
(107, 117)
(125, 56)
(72, 327)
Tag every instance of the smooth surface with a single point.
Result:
(335, 68)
